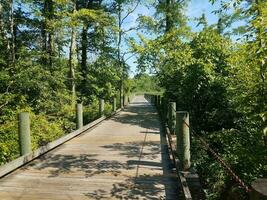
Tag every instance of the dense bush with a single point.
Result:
(222, 85)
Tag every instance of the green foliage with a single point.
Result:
(44, 129)
(222, 85)
(8, 141)
(38, 79)
(102, 78)
(143, 83)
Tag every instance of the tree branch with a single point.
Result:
(130, 12)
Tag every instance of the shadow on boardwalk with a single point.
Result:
(138, 184)
(133, 188)
(132, 149)
(149, 186)
(147, 116)
(87, 164)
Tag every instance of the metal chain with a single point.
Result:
(219, 159)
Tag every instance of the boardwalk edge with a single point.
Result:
(22, 160)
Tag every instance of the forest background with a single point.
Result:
(56, 53)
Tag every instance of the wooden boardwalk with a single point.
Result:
(124, 157)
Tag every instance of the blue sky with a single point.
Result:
(194, 10)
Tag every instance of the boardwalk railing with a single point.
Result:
(177, 122)
(168, 127)
(26, 152)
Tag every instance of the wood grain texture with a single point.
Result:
(22, 160)
(123, 158)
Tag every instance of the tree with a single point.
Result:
(123, 11)
(73, 56)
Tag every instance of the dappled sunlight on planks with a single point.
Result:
(122, 158)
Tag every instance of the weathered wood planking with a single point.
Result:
(22, 160)
(120, 159)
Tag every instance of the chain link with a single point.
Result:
(226, 167)
(219, 159)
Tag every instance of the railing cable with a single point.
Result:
(226, 167)
(219, 159)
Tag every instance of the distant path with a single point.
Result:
(119, 159)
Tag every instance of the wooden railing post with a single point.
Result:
(259, 191)
(183, 139)
(172, 116)
(101, 107)
(114, 104)
(24, 133)
(156, 100)
(163, 108)
(121, 101)
(159, 103)
(79, 116)
(125, 100)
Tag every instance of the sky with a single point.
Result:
(194, 10)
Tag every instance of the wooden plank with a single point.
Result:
(121, 159)
(22, 160)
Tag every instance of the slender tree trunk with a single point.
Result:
(84, 47)
(169, 18)
(50, 49)
(73, 60)
(44, 34)
(47, 34)
(12, 35)
(51, 42)
(2, 30)
(84, 54)
(119, 54)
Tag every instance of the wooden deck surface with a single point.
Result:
(124, 157)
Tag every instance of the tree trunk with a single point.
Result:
(50, 50)
(51, 45)
(73, 60)
(84, 54)
(119, 55)
(47, 34)
(169, 18)
(12, 35)
(3, 32)
(44, 35)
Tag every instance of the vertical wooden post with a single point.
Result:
(163, 109)
(172, 116)
(159, 103)
(259, 191)
(151, 99)
(24, 133)
(183, 139)
(79, 116)
(121, 101)
(125, 100)
(101, 107)
(155, 100)
(114, 104)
